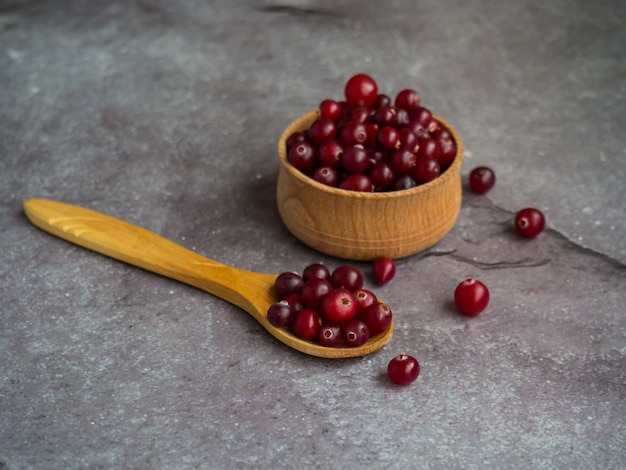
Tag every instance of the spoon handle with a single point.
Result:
(139, 247)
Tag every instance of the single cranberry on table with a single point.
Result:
(481, 179)
(471, 297)
(529, 222)
(384, 270)
(403, 369)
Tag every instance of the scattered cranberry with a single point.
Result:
(355, 333)
(471, 297)
(384, 270)
(529, 222)
(481, 179)
(338, 306)
(403, 369)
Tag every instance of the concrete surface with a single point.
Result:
(166, 114)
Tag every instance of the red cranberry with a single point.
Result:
(364, 298)
(326, 175)
(321, 130)
(404, 182)
(402, 161)
(302, 156)
(371, 130)
(529, 222)
(329, 335)
(352, 133)
(360, 114)
(330, 109)
(388, 137)
(428, 147)
(355, 159)
(288, 283)
(280, 314)
(381, 100)
(306, 324)
(329, 153)
(407, 100)
(313, 291)
(408, 140)
(357, 182)
(315, 271)
(447, 146)
(384, 270)
(381, 175)
(403, 369)
(377, 317)
(471, 297)
(385, 116)
(355, 333)
(294, 139)
(347, 276)
(422, 115)
(361, 90)
(426, 169)
(417, 128)
(338, 306)
(295, 302)
(481, 179)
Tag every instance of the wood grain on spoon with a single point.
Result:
(251, 291)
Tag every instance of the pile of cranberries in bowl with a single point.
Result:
(371, 142)
(330, 308)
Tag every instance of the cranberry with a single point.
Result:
(326, 175)
(422, 115)
(361, 89)
(352, 133)
(402, 161)
(471, 297)
(288, 283)
(330, 109)
(315, 271)
(417, 128)
(407, 100)
(428, 147)
(357, 182)
(295, 302)
(404, 182)
(384, 270)
(347, 276)
(381, 175)
(329, 153)
(321, 130)
(371, 129)
(408, 140)
(360, 114)
(447, 146)
(302, 156)
(313, 291)
(355, 159)
(364, 298)
(306, 324)
(377, 317)
(338, 306)
(529, 222)
(329, 335)
(426, 169)
(355, 333)
(388, 137)
(280, 314)
(381, 100)
(481, 179)
(403, 369)
(294, 139)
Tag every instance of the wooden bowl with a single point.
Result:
(363, 226)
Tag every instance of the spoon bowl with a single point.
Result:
(251, 291)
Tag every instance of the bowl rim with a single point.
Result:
(451, 172)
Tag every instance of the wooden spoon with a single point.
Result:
(123, 241)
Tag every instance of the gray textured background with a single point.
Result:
(166, 114)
